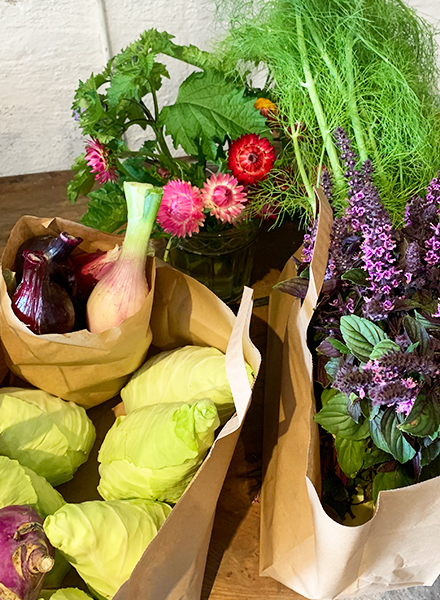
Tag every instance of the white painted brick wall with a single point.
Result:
(46, 46)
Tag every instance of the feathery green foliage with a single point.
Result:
(369, 66)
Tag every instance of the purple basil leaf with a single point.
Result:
(327, 348)
(296, 286)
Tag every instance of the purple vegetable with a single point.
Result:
(57, 251)
(25, 553)
(39, 302)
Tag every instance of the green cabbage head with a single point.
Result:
(155, 451)
(182, 375)
(49, 435)
(64, 594)
(105, 540)
(20, 485)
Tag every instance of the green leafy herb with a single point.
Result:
(361, 336)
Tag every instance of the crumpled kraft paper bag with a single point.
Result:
(301, 546)
(86, 368)
(186, 312)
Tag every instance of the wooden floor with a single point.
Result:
(232, 566)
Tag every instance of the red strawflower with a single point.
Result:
(250, 158)
(98, 159)
(223, 196)
(181, 210)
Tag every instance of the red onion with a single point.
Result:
(57, 251)
(39, 302)
(90, 268)
(25, 553)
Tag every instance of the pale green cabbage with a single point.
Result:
(64, 594)
(155, 451)
(49, 435)
(182, 375)
(20, 485)
(105, 540)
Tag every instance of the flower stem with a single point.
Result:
(167, 249)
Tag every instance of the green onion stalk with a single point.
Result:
(368, 66)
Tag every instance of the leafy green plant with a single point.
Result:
(369, 66)
(211, 108)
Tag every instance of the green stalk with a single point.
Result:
(303, 173)
(143, 201)
(317, 106)
(352, 105)
(348, 94)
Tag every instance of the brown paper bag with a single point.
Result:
(184, 312)
(301, 546)
(86, 368)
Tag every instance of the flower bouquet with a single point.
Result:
(225, 136)
(365, 344)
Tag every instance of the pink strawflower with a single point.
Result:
(181, 209)
(223, 196)
(97, 157)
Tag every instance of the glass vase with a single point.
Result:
(220, 260)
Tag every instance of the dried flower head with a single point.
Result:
(181, 209)
(250, 158)
(99, 160)
(266, 107)
(223, 196)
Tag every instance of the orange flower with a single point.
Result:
(266, 107)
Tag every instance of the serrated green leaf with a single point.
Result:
(327, 394)
(209, 106)
(424, 418)
(398, 446)
(338, 345)
(391, 481)
(107, 209)
(356, 276)
(83, 180)
(136, 171)
(375, 456)
(417, 333)
(384, 347)
(361, 335)
(350, 455)
(334, 418)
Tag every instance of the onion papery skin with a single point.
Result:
(57, 250)
(124, 288)
(39, 303)
(25, 553)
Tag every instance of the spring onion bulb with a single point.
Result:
(123, 289)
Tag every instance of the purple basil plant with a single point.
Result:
(376, 339)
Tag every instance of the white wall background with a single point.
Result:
(46, 46)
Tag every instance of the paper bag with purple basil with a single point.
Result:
(351, 493)
(78, 323)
